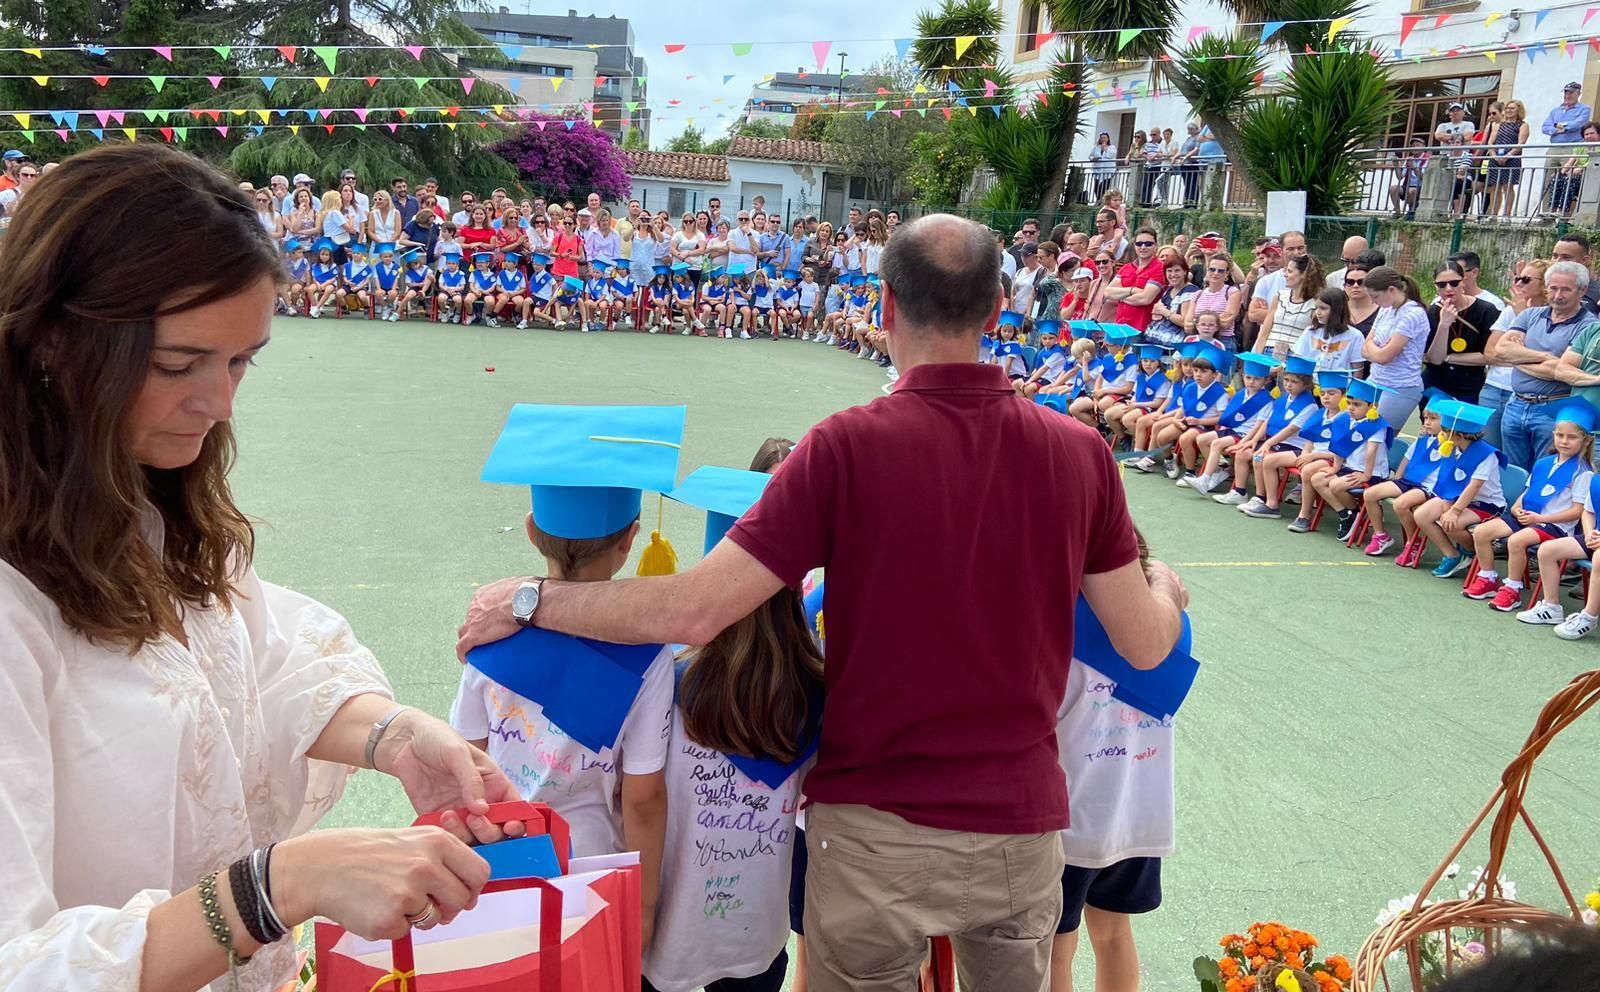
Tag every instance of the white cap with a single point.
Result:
(585, 212)
(301, 177)
(1083, 274)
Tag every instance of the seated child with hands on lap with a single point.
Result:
(596, 751)
(1467, 491)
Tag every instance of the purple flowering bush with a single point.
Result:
(567, 157)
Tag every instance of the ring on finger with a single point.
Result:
(424, 919)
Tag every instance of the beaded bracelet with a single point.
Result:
(211, 907)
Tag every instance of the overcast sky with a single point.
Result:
(866, 31)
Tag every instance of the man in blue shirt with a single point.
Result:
(1533, 347)
(1565, 123)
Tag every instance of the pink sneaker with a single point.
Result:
(1380, 543)
(1409, 557)
(1507, 600)
(1481, 588)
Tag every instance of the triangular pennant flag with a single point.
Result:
(421, 81)
(329, 54)
(130, 133)
(897, 113)
(265, 115)
(514, 83)
(159, 115)
(673, 49)
(726, 78)
(37, 53)
(215, 81)
(101, 81)
(182, 133)
(964, 42)
(372, 81)
(1271, 28)
(600, 81)
(820, 49)
(294, 129)
(403, 111)
(361, 127)
(223, 51)
(1489, 20)
(902, 48)
(63, 134)
(540, 124)
(117, 116)
(103, 116)
(159, 82)
(166, 132)
(288, 51)
(946, 111)
(240, 111)
(393, 127)
(1126, 35)
(222, 130)
(467, 82)
(269, 82)
(1538, 18)
(1338, 24)
(23, 119)
(555, 83)
(165, 51)
(571, 123)
(878, 104)
(1491, 55)
(70, 119)
(415, 50)
(1588, 13)
(257, 128)
(328, 128)
(972, 111)
(633, 105)
(322, 82)
(1564, 50)
(989, 88)
(1197, 31)
(511, 51)
(1407, 25)
(361, 114)
(56, 116)
(1537, 49)
(42, 80)
(99, 135)
(450, 124)
(1044, 38)
(996, 108)
(742, 47)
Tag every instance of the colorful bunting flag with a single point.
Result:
(727, 77)
(1197, 31)
(1338, 24)
(1271, 28)
(1126, 35)
(820, 50)
(415, 50)
(23, 119)
(511, 52)
(269, 82)
(37, 53)
(42, 80)
(1488, 22)
(964, 42)
(1590, 12)
(1538, 18)
(223, 51)
(165, 51)
(288, 51)
(555, 83)
(159, 82)
(902, 48)
(101, 81)
(1409, 24)
(132, 135)
(673, 49)
(329, 54)
(741, 48)
(467, 82)
(222, 130)
(215, 81)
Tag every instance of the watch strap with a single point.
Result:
(378, 730)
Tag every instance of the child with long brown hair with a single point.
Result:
(749, 707)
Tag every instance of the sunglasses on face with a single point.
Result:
(1447, 283)
(1217, 272)
(1354, 282)
(1522, 280)
(1144, 244)
(27, 175)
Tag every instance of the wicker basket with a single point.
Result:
(1267, 979)
(1484, 907)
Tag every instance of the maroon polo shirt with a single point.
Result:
(956, 521)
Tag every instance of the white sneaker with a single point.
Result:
(697, 325)
(316, 312)
(688, 329)
(1294, 494)
(744, 335)
(1232, 497)
(522, 325)
(654, 328)
(806, 336)
(1206, 483)
(1187, 480)
(627, 323)
(1548, 613)
(561, 325)
(1252, 504)
(1576, 626)
(893, 373)
(1146, 464)
(394, 315)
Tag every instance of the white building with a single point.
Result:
(794, 177)
(786, 94)
(1427, 88)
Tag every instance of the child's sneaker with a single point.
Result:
(1294, 494)
(1380, 543)
(1261, 511)
(688, 329)
(316, 312)
(1145, 464)
(627, 323)
(492, 320)
(1483, 588)
(1542, 612)
(1206, 483)
(806, 336)
(1299, 525)
(1173, 469)
(1576, 626)
(1450, 565)
(522, 325)
(561, 325)
(1507, 599)
(1409, 556)
(744, 335)
(1233, 497)
(1347, 523)
(1188, 481)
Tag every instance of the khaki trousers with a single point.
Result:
(878, 887)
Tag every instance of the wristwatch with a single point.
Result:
(525, 601)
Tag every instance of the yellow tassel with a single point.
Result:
(1275, 392)
(821, 632)
(1447, 446)
(1344, 404)
(1117, 355)
(1172, 375)
(1372, 413)
(659, 558)
(1231, 390)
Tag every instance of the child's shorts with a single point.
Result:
(1017, 378)
(1406, 486)
(1225, 432)
(1281, 447)
(1044, 382)
(1346, 470)
(1546, 532)
(797, 883)
(351, 300)
(1129, 886)
(1485, 511)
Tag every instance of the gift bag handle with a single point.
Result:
(551, 823)
(551, 906)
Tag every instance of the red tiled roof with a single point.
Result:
(780, 149)
(692, 166)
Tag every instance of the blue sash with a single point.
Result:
(452, 280)
(511, 281)
(715, 292)
(1425, 462)
(1456, 473)
(1350, 434)
(356, 277)
(1284, 410)
(1147, 387)
(387, 276)
(1199, 405)
(683, 291)
(585, 687)
(769, 771)
(482, 280)
(324, 273)
(1157, 692)
(1549, 479)
(1242, 407)
(622, 287)
(417, 277)
(1321, 431)
(1112, 370)
(299, 269)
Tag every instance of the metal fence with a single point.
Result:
(1540, 184)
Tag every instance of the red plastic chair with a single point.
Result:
(1317, 505)
(939, 975)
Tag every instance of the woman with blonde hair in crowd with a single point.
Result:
(383, 220)
(1506, 140)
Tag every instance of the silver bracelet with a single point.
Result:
(258, 869)
(378, 730)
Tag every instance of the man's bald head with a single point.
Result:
(943, 271)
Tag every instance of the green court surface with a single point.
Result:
(1349, 719)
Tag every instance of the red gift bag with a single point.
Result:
(579, 932)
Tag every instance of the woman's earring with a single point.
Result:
(45, 369)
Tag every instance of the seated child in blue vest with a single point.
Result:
(1314, 456)
(733, 786)
(452, 287)
(1410, 487)
(1468, 490)
(355, 279)
(1547, 510)
(386, 282)
(576, 723)
(419, 282)
(1143, 388)
(1199, 408)
(1110, 369)
(1361, 457)
(1242, 425)
(298, 267)
(1049, 364)
(542, 289)
(1280, 440)
(1553, 557)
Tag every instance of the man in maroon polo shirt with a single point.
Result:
(1138, 284)
(937, 797)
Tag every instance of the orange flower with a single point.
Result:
(1294, 960)
(1282, 943)
(1228, 966)
(1250, 949)
(1327, 983)
(1240, 985)
(1257, 963)
(1268, 952)
(1341, 967)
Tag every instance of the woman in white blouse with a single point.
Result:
(170, 716)
(1292, 308)
(383, 221)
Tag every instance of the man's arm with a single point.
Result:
(1143, 617)
(1510, 350)
(1548, 128)
(1569, 369)
(691, 607)
(1117, 292)
(1146, 296)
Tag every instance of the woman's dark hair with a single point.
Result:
(1384, 278)
(750, 691)
(771, 453)
(1338, 311)
(1312, 284)
(1564, 959)
(77, 326)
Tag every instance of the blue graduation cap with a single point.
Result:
(1257, 364)
(325, 243)
(1048, 327)
(1154, 352)
(770, 269)
(512, 257)
(1214, 354)
(483, 256)
(572, 284)
(718, 272)
(1462, 418)
(659, 270)
(1295, 365)
(1578, 412)
(293, 244)
(356, 248)
(872, 278)
(1083, 328)
(1052, 401)
(1157, 692)
(680, 267)
(791, 274)
(724, 493)
(452, 256)
(600, 265)
(1119, 333)
(412, 254)
(1010, 318)
(383, 246)
(1333, 380)
(1364, 390)
(540, 258)
(587, 464)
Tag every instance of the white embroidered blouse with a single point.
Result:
(126, 779)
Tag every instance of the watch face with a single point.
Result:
(524, 601)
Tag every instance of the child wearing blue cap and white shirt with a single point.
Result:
(1359, 444)
(623, 295)
(541, 287)
(355, 279)
(419, 281)
(1547, 510)
(452, 287)
(1144, 388)
(1051, 362)
(576, 723)
(482, 285)
(1468, 489)
(733, 787)
(1242, 426)
(658, 300)
(1008, 352)
(1553, 556)
(512, 291)
(298, 268)
(683, 301)
(386, 282)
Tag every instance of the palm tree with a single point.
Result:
(937, 31)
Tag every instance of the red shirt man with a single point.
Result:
(1138, 283)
